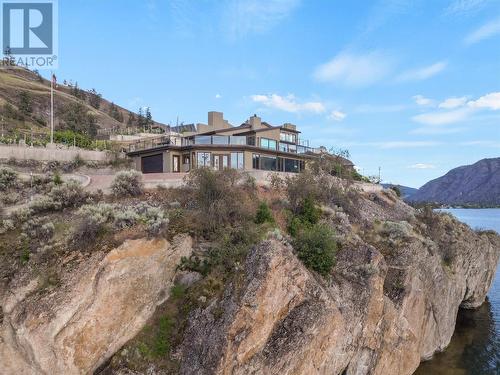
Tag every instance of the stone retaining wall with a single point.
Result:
(52, 154)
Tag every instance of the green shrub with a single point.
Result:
(57, 178)
(316, 247)
(127, 183)
(307, 215)
(8, 178)
(264, 214)
(308, 212)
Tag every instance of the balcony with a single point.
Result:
(152, 143)
(222, 140)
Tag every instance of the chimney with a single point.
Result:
(255, 122)
(216, 120)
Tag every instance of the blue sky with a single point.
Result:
(410, 86)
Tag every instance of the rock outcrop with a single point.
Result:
(102, 302)
(384, 309)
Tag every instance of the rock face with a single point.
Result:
(102, 303)
(477, 184)
(383, 310)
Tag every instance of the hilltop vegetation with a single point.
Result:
(25, 107)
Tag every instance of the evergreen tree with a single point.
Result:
(141, 121)
(149, 118)
(77, 92)
(94, 98)
(75, 117)
(25, 103)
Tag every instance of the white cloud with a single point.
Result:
(443, 118)
(422, 166)
(492, 144)
(337, 115)
(436, 130)
(288, 103)
(452, 103)
(422, 100)
(394, 144)
(218, 96)
(489, 101)
(355, 70)
(465, 6)
(423, 73)
(256, 16)
(486, 31)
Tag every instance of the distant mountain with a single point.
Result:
(406, 191)
(476, 184)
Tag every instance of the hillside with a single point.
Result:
(406, 191)
(210, 279)
(476, 184)
(25, 104)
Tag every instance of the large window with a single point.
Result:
(268, 163)
(237, 160)
(291, 165)
(288, 137)
(204, 159)
(268, 143)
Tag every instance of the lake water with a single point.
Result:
(475, 346)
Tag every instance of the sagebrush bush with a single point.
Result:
(66, 195)
(127, 183)
(6, 225)
(122, 217)
(316, 247)
(38, 230)
(69, 194)
(8, 178)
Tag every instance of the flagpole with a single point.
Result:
(52, 109)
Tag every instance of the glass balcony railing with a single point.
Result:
(220, 140)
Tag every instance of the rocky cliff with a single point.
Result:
(476, 184)
(391, 302)
(102, 303)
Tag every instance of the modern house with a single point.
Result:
(254, 145)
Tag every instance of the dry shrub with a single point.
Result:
(220, 197)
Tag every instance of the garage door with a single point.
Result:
(152, 164)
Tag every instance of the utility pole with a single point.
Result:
(53, 78)
(379, 175)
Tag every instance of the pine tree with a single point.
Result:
(149, 118)
(25, 103)
(94, 98)
(141, 121)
